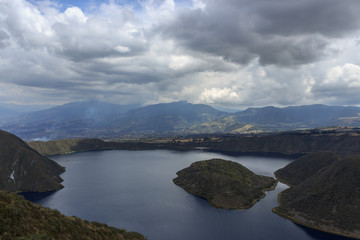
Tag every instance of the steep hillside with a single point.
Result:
(166, 118)
(104, 120)
(22, 169)
(290, 143)
(328, 200)
(224, 184)
(229, 124)
(298, 171)
(21, 219)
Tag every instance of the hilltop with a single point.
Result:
(327, 199)
(224, 184)
(298, 171)
(21, 219)
(22, 169)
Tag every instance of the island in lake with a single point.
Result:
(225, 184)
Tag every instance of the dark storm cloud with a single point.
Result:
(331, 18)
(78, 44)
(206, 51)
(280, 32)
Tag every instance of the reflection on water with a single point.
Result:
(134, 190)
(36, 196)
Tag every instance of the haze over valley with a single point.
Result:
(111, 121)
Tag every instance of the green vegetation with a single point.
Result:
(65, 146)
(341, 141)
(22, 169)
(23, 220)
(327, 199)
(224, 184)
(301, 169)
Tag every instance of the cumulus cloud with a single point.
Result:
(216, 95)
(234, 52)
(341, 84)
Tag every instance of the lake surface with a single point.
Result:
(134, 190)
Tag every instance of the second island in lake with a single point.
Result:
(225, 184)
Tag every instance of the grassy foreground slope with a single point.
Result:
(225, 184)
(329, 200)
(21, 219)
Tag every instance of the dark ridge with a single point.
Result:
(304, 167)
(328, 200)
(22, 169)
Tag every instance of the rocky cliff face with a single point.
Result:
(23, 169)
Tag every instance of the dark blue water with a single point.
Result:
(134, 190)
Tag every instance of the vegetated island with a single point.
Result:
(327, 199)
(21, 219)
(225, 184)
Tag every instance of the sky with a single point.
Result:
(231, 54)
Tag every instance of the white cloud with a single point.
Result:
(121, 53)
(347, 75)
(75, 14)
(219, 96)
(122, 49)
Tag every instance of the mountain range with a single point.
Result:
(106, 120)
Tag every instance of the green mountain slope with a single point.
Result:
(328, 200)
(165, 118)
(269, 119)
(22, 169)
(21, 219)
(303, 168)
(104, 120)
(224, 184)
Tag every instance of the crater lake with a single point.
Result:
(134, 190)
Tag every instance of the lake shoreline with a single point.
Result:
(296, 219)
